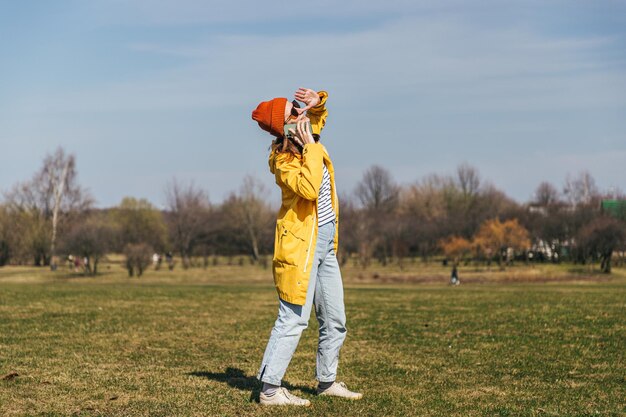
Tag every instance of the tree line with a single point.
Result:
(461, 216)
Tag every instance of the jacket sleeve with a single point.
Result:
(302, 177)
(318, 114)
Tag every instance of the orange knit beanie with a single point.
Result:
(271, 115)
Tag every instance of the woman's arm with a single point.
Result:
(319, 113)
(315, 107)
(303, 177)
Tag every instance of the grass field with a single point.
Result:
(189, 343)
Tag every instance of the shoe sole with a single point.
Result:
(284, 405)
(340, 396)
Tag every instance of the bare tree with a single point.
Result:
(252, 211)
(463, 200)
(141, 231)
(53, 193)
(379, 197)
(377, 191)
(91, 238)
(137, 258)
(546, 194)
(437, 207)
(424, 213)
(600, 238)
(55, 174)
(187, 217)
(356, 235)
(468, 180)
(580, 189)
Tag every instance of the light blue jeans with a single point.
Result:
(325, 290)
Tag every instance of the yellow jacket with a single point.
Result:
(300, 178)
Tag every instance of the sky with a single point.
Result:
(143, 92)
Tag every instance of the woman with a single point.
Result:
(305, 267)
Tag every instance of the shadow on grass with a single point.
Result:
(236, 378)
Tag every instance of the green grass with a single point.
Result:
(189, 343)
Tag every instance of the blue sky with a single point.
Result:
(146, 91)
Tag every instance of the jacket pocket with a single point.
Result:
(289, 243)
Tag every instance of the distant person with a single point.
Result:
(169, 259)
(305, 267)
(454, 276)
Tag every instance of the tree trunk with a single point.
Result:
(59, 188)
(186, 262)
(253, 242)
(255, 249)
(605, 263)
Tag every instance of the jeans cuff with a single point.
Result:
(327, 379)
(270, 380)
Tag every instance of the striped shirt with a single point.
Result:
(325, 212)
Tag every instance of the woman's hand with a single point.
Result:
(308, 97)
(303, 135)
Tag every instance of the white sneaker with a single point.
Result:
(283, 397)
(339, 389)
